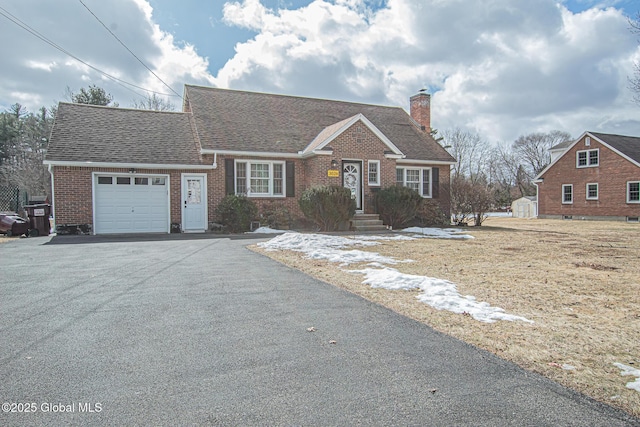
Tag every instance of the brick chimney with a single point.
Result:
(420, 108)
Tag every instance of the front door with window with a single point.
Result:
(352, 179)
(194, 203)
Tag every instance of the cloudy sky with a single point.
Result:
(503, 68)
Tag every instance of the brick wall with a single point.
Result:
(611, 176)
(74, 197)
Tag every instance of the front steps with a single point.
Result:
(367, 223)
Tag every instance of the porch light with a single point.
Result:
(334, 164)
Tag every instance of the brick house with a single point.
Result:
(596, 176)
(117, 170)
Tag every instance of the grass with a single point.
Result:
(579, 281)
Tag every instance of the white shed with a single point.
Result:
(525, 207)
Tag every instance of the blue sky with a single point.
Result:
(503, 68)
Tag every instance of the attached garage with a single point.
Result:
(130, 203)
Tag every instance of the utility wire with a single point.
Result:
(35, 33)
(126, 47)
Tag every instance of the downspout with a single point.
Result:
(215, 160)
(53, 198)
(537, 193)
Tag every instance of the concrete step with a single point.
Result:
(367, 223)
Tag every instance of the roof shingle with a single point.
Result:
(233, 120)
(627, 145)
(90, 133)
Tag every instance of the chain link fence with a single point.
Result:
(12, 199)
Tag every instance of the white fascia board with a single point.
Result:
(251, 153)
(367, 123)
(424, 162)
(125, 165)
(306, 155)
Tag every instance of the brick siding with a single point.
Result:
(74, 198)
(611, 175)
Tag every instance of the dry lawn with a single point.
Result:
(579, 281)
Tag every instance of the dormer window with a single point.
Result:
(587, 158)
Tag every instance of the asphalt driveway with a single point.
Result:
(202, 331)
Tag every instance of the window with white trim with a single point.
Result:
(567, 193)
(374, 172)
(633, 192)
(418, 179)
(592, 191)
(259, 179)
(587, 158)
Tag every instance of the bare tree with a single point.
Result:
(24, 140)
(154, 102)
(634, 82)
(533, 149)
(470, 200)
(471, 151)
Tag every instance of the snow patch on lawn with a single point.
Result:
(629, 370)
(438, 293)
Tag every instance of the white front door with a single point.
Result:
(352, 179)
(194, 203)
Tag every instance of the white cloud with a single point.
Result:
(36, 74)
(501, 68)
(498, 68)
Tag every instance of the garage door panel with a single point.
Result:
(133, 207)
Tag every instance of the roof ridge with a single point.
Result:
(210, 88)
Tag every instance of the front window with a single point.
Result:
(633, 192)
(567, 193)
(587, 158)
(374, 172)
(258, 178)
(418, 179)
(592, 191)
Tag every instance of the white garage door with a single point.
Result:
(131, 204)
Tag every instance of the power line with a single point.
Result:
(35, 33)
(129, 50)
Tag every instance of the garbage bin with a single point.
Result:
(38, 219)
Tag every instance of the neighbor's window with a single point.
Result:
(633, 192)
(587, 158)
(592, 191)
(418, 179)
(374, 172)
(257, 178)
(567, 193)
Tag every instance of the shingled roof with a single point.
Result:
(90, 133)
(627, 145)
(237, 121)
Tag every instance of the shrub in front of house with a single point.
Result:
(398, 206)
(276, 216)
(235, 213)
(327, 206)
(430, 214)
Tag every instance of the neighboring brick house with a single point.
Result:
(118, 170)
(595, 177)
